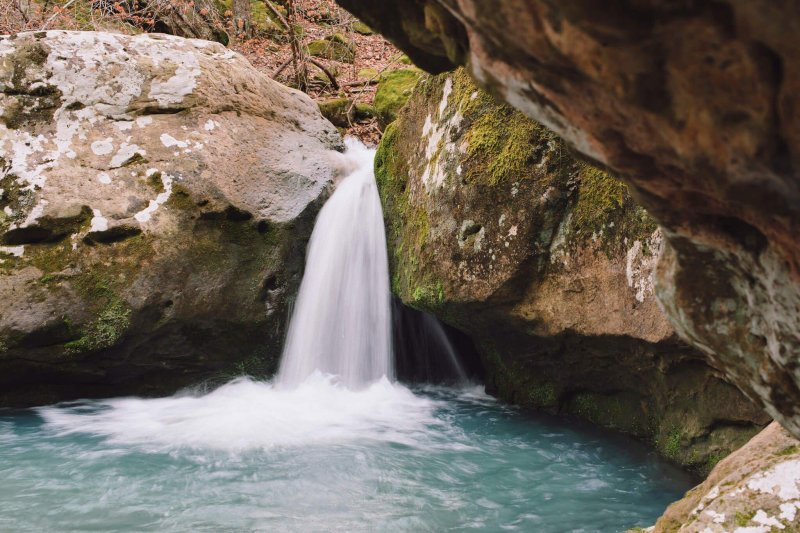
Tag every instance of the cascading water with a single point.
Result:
(333, 445)
(341, 323)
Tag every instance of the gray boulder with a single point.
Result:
(156, 196)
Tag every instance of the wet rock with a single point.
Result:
(547, 263)
(147, 194)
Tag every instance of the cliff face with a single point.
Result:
(695, 106)
(547, 263)
(154, 213)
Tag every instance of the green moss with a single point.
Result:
(428, 297)
(712, 460)
(394, 89)
(106, 329)
(606, 212)
(790, 450)
(500, 144)
(670, 446)
(361, 28)
(155, 181)
(542, 395)
(181, 198)
(334, 47)
(339, 111)
(368, 74)
(743, 518)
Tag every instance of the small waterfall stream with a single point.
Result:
(341, 323)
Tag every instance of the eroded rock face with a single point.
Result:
(157, 195)
(696, 106)
(547, 263)
(756, 489)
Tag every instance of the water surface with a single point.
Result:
(250, 456)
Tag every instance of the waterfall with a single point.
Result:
(341, 323)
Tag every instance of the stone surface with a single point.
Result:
(695, 105)
(156, 198)
(547, 263)
(754, 490)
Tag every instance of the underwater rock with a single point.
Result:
(547, 263)
(157, 194)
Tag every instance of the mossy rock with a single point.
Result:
(368, 74)
(365, 112)
(394, 89)
(334, 47)
(495, 226)
(361, 28)
(340, 111)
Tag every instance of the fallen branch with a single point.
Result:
(319, 65)
(281, 68)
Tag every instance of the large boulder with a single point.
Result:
(695, 105)
(547, 263)
(157, 196)
(756, 489)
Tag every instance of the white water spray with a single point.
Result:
(341, 323)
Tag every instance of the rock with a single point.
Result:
(361, 28)
(365, 112)
(368, 74)
(335, 47)
(547, 263)
(340, 111)
(394, 88)
(755, 489)
(695, 106)
(157, 196)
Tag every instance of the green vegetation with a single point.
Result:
(335, 47)
(606, 211)
(742, 519)
(790, 450)
(394, 89)
(106, 329)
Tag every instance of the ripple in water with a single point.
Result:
(252, 457)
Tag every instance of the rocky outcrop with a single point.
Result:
(695, 106)
(157, 195)
(754, 490)
(547, 263)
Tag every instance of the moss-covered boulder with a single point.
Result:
(340, 111)
(546, 261)
(155, 212)
(335, 47)
(394, 89)
(361, 28)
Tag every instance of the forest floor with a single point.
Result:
(268, 45)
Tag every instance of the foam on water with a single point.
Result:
(254, 457)
(246, 415)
